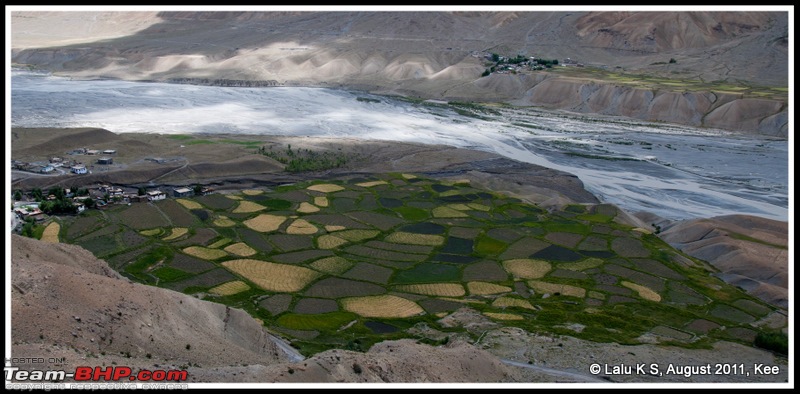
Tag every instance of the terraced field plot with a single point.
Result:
(328, 262)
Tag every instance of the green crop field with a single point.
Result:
(394, 250)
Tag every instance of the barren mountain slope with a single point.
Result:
(751, 252)
(428, 54)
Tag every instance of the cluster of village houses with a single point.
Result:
(102, 195)
(75, 166)
(530, 63)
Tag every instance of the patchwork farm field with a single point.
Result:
(349, 262)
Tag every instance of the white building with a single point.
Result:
(155, 195)
(78, 169)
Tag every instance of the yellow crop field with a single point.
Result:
(401, 237)
(447, 212)
(331, 228)
(265, 222)
(434, 289)
(233, 197)
(230, 288)
(328, 241)
(51, 232)
(151, 232)
(334, 265)
(581, 265)
(644, 291)
(503, 316)
(301, 227)
(189, 204)
(321, 201)
(527, 268)
(204, 253)
(546, 287)
(307, 208)
(504, 302)
(479, 207)
(385, 306)
(409, 176)
(240, 249)
(252, 192)
(248, 207)
(371, 184)
(484, 288)
(460, 207)
(271, 276)
(357, 235)
(325, 188)
(177, 232)
(224, 221)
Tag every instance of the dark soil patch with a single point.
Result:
(344, 204)
(370, 273)
(132, 239)
(313, 306)
(381, 222)
(504, 234)
(301, 256)
(488, 271)
(740, 333)
(201, 214)
(522, 290)
(201, 237)
(751, 307)
(524, 248)
(605, 279)
(367, 203)
(380, 327)
(100, 246)
(205, 280)
(276, 304)
(390, 202)
(380, 254)
(290, 242)
(455, 258)
(614, 289)
(454, 245)
(685, 298)
(428, 273)
(600, 254)
(424, 228)
(435, 305)
(439, 188)
(335, 220)
(216, 201)
(83, 225)
(190, 264)
(338, 287)
(617, 299)
(656, 268)
(629, 247)
(464, 232)
(293, 196)
(421, 204)
(702, 326)
(653, 282)
(143, 216)
(593, 243)
(562, 273)
(732, 314)
(569, 240)
(254, 239)
(556, 253)
(403, 248)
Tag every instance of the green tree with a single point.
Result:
(486, 73)
(17, 195)
(141, 191)
(198, 189)
(495, 57)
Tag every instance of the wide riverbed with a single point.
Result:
(674, 171)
